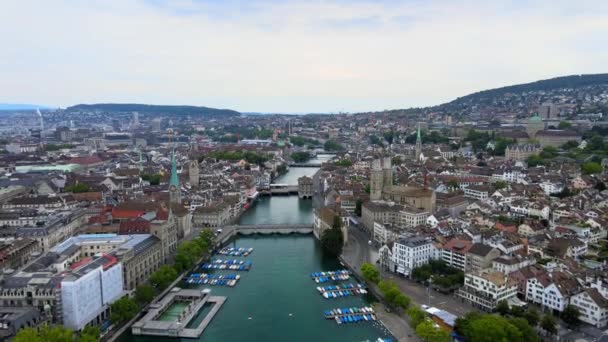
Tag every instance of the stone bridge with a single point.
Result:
(247, 229)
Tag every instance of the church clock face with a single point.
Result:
(172, 188)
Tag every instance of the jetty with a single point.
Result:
(323, 277)
(334, 291)
(230, 264)
(173, 315)
(213, 279)
(351, 315)
(231, 251)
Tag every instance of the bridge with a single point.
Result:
(304, 165)
(281, 189)
(248, 229)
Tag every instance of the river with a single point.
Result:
(277, 300)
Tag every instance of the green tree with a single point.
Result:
(90, 333)
(332, 145)
(502, 307)
(532, 316)
(590, 168)
(570, 145)
(164, 276)
(517, 311)
(56, 333)
(27, 335)
(548, 152)
(389, 290)
(332, 240)
(370, 272)
(358, 206)
(528, 332)
(600, 186)
(144, 294)
(490, 328)
(570, 315)
(402, 301)
(535, 160)
(564, 125)
(77, 188)
(123, 310)
(500, 185)
(344, 162)
(549, 324)
(416, 315)
(428, 332)
(300, 157)
(187, 254)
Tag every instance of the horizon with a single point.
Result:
(291, 57)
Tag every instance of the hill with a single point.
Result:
(153, 109)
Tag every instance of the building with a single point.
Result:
(480, 257)
(382, 212)
(193, 171)
(593, 307)
(412, 217)
(213, 215)
(484, 289)
(412, 252)
(454, 253)
(385, 232)
(548, 111)
(305, 187)
(551, 290)
(88, 291)
(556, 137)
(115, 139)
(174, 189)
(477, 192)
(54, 229)
(534, 125)
(140, 256)
(323, 219)
(13, 319)
(17, 253)
(521, 151)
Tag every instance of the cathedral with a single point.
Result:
(382, 188)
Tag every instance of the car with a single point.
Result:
(218, 232)
(424, 307)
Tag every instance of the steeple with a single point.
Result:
(173, 180)
(174, 191)
(418, 144)
(141, 162)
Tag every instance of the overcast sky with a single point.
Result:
(290, 56)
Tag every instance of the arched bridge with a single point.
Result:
(247, 229)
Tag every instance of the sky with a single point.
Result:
(290, 56)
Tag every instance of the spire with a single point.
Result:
(141, 162)
(173, 180)
(418, 144)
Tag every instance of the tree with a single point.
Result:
(144, 294)
(332, 145)
(528, 333)
(500, 185)
(300, 157)
(389, 290)
(570, 145)
(123, 310)
(77, 188)
(590, 168)
(332, 240)
(548, 323)
(532, 316)
(187, 254)
(90, 333)
(402, 301)
(370, 273)
(570, 315)
(535, 160)
(55, 333)
(428, 332)
(600, 186)
(492, 328)
(344, 162)
(517, 311)
(502, 307)
(358, 205)
(27, 335)
(564, 125)
(416, 315)
(164, 276)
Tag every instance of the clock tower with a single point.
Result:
(174, 190)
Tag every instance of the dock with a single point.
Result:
(323, 277)
(213, 279)
(351, 315)
(333, 291)
(160, 321)
(231, 251)
(231, 264)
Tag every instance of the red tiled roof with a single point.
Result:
(88, 160)
(134, 227)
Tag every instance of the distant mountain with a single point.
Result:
(487, 97)
(20, 106)
(154, 109)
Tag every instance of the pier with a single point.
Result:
(160, 321)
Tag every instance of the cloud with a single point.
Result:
(290, 56)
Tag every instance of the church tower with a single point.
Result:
(387, 174)
(418, 144)
(174, 191)
(377, 181)
(194, 173)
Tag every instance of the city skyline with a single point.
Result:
(293, 57)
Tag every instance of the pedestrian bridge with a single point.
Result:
(248, 229)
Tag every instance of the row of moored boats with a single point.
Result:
(233, 265)
(324, 277)
(335, 291)
(351, 315)
(231, 251)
